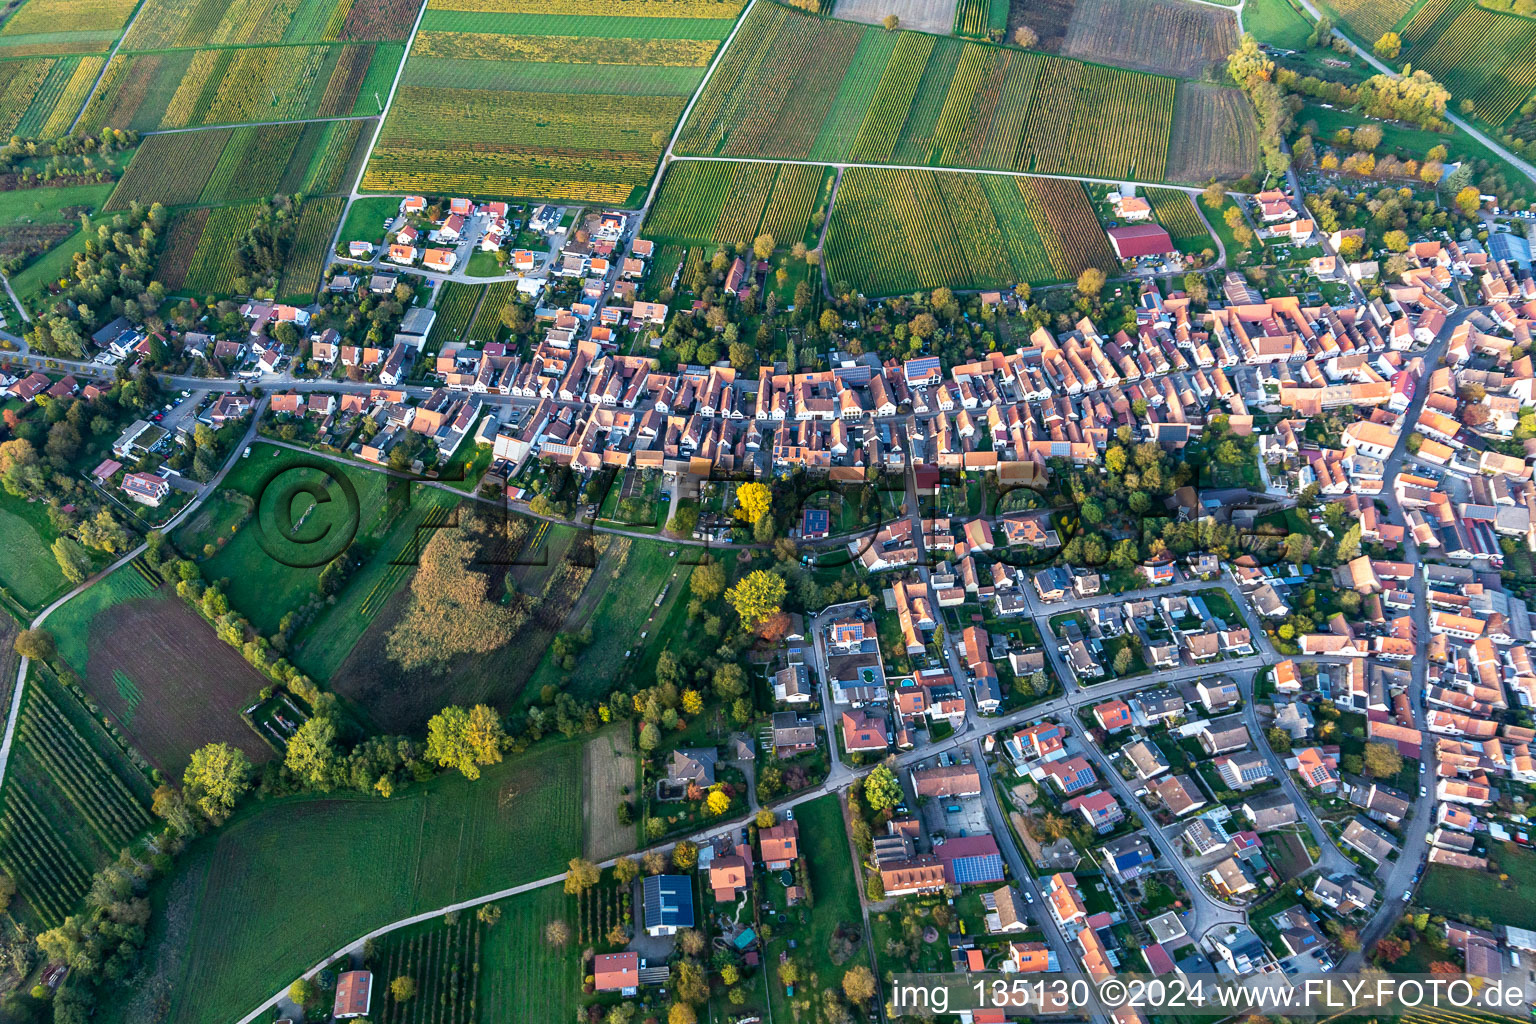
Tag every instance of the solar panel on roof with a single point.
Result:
(987, 867)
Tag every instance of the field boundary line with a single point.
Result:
(111, 55)
(846, 165)
(256, 124)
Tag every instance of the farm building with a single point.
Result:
(1137, 240)
(354, 991)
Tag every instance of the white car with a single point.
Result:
(1423, 791)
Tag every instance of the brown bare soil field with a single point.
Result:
(1049, 19)
(169, 684)
(1214, 135)
(1168, 37)
(608, 772)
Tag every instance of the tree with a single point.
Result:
(489, 914)
(1388, 46)
(881, 788)
(874, 887)
(753, 501)
(891, 22)
(74, 561)
(403, 988)
(1026, 37)
(1090, 282)
(757, 596)
(583, 875)
(625, 870)
(717, 802)
(1382, 760)
(685, 855)
(304, 992)
(688, 979)
(216, 778)
(1122, 661)
(465, 738)
(682, 1013)
(762, 246)
(654, 862)
(312, 752)
(1214, 196)
(36, 644)
(1390, 949)
(557, 933)
(766, 818)
(859, 984)
(1468, 200)
(708, 580)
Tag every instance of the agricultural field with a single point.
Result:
(311, 247)
(609, 771)
(1169, 37)
(1368, 19)
(895, 231)
(156, 669)
(979, 18)
(1214, 135)
(228, 165)
(1478, 54)
(797, 87)
(442, 959)
(39, 26)
(40, 96)
(522, 977)
(1176, 212)
(166, 24)
(191, 88)
(71, 801)
(456, 303)
(487, 325)
(200, 250)
(727, 203)
(544, 100)
(229, 929)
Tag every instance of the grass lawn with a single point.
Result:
(619, 603)
(48, 205)
(230, 933)
(32, 283)
(824, 846)
(365, 221)
(29, 572)
(1461, 893)
(483, 264)
(260, 585)
(522, 977)
(1276, 22)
